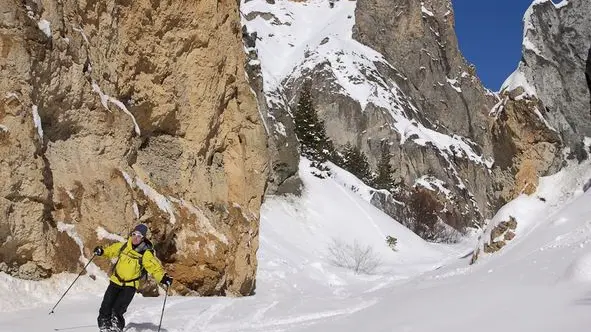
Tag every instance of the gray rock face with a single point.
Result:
(554, 55)
(461, 183)
(419, 40)
(429, 111)
(279, 125)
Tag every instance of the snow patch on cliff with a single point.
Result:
(37, 121)
(45, 26)
(105, 99)
(163, 203)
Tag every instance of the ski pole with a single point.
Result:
(164, 305)
(79, 274)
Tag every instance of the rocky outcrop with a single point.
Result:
(525, 146)
(544, 107)
(495, 238)
(373, 129)
(116, 112)
(556, 45)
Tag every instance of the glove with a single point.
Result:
(166, 280)
(99, 251)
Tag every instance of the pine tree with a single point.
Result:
(309, 129)
(385, 172)
(355, 161)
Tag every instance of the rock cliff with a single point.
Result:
(119, 112)
(556, 44)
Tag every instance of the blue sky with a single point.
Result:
(490, 35)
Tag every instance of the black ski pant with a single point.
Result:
(115, 302)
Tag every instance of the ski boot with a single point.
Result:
(104, 325)
(116, 324)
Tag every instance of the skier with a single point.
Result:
(135, 257)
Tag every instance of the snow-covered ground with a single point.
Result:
(539, 282)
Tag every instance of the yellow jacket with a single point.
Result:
(128, 266)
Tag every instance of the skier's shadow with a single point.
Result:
(143, 327)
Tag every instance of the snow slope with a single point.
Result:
(539, 282)
(296, 284)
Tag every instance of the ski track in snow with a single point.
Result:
(278, 324)
(204, 318)
(349, 194)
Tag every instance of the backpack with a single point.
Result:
(143, 273)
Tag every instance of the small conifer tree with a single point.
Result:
(385, 172)
(314, 143)
(355, 161)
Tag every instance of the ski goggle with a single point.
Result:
(137, 234)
